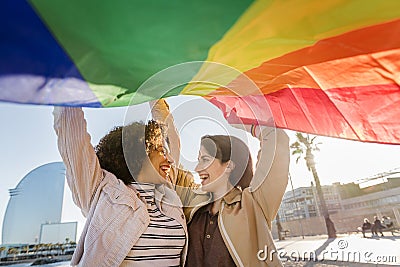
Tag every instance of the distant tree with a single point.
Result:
(47, 247)
(307, 145)
(39, 249)
(13, 251)
(2, 249)
(36, 248)
(279, 227)
(60, 246)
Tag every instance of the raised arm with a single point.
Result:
(83, 169)
(271, 174)
(160, 112)
(181, 178)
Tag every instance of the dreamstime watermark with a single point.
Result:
(340, 253)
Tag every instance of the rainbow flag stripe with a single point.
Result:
(324, 67)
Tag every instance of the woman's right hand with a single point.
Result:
(161, 112)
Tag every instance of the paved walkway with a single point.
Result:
(345, 250)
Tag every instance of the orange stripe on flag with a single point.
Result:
(362, 57)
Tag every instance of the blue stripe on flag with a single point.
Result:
(33, 67)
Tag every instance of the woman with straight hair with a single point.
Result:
(233, 228)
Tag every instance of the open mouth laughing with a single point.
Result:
(204, 177)
(165, 169)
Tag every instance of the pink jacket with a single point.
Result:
(116, 217)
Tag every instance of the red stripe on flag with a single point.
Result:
(364, 113)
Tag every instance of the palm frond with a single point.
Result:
(297, 151)
(312, 139)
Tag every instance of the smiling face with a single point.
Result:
(161, 160)
(213, 173)
(158, 151)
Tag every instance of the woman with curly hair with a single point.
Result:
(133, 217)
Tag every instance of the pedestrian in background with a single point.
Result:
(366, 226)
(377, 227)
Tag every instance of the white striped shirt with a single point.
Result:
(162, 242)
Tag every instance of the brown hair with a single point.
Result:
(225, 148)
(123, 150)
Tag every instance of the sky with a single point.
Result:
(28, 141)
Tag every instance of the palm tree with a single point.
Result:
(308, 145)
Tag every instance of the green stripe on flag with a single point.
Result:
(117, 45)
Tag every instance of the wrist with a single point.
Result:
(160, 109)
(261, 132)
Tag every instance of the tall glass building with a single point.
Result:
(37, 200)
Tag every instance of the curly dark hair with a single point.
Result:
(123, 150)
(155, 135)
(110, 151)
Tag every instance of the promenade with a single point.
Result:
(345, 250)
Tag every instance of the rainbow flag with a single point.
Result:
(325, 67)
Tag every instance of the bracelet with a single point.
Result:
(253, 130)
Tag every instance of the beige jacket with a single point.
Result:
(245, 216)
(115, 215)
